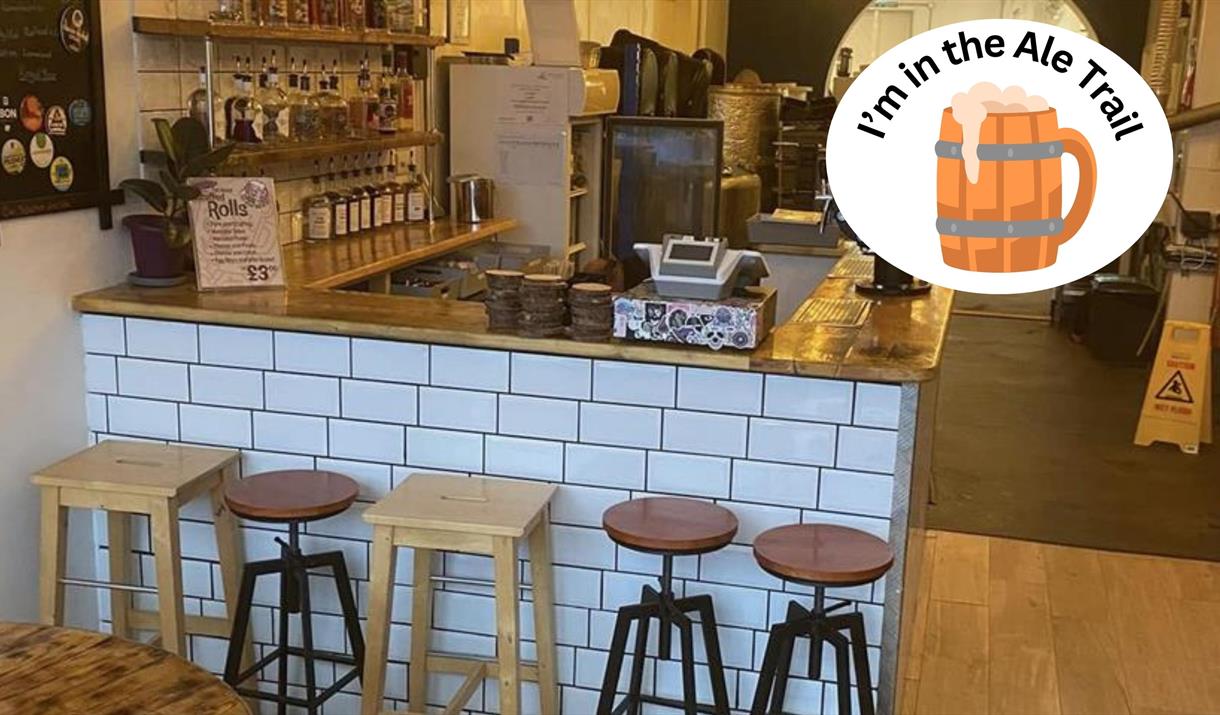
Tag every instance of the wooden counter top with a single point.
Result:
(892, 340)
(348, 260)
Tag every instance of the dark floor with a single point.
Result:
(1033, 441)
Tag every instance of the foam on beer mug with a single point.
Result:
(970, 109)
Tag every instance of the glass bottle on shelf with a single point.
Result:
(398, 194)
(385, 199)
(371, 103)
(357, 106)
(270, 12)
(387, 97)
(376, 14)
(231, 11)
(371, 216)
(318, 217)
(294, 98)
(338, 202)
(305, 114)
(417, 197)
(326, 13)
(197, 102)
(334, 109)
(274, 100)
(399, 15)
(355, 202)
(298, 12)
(406, 100)
(356, 15)
(244, 111)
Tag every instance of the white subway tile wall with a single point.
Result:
(773, 451)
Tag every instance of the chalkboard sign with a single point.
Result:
(53, 151)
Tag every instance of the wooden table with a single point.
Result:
(62, 671)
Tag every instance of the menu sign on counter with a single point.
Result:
(236, 243)
(53, 148)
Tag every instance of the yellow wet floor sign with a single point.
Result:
(1177, 404)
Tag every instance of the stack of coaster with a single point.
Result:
(503, 302)
(592, 306)
(542, 306)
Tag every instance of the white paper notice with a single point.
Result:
(530, 158)
(536, 98)
(554, 33)
(236, 242)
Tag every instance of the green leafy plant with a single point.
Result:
(187, 155)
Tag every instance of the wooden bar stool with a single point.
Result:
(823, 556)
(124, 478)
(473, 515)
(670, 527)
(293, 497)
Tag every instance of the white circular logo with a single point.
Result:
(999, 156)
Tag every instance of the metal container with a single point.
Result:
(473, 198)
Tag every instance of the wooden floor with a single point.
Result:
(1022, 628)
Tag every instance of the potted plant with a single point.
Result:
(160, 240)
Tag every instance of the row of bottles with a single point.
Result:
(355, 199)
(266, 114)
(393, 15)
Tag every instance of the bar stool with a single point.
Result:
(124, 478)
(293, 497)
(823, 556)
(473, 515)
(669, 527)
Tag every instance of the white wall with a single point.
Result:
(44, 261)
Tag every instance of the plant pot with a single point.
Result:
(155, 258)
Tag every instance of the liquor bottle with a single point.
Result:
(387, 122)
(384, 185)
(334, 109)
(294, 98)
(338, 202)
(406, 100)
(231, 11)
(417, 197)
(357, 106)
(319, 225)
(244, 111)
(371, 197)
(274, 100)
(371, 102)
(327, 13)
(355, 204)
(270, 12)
(398, 193)
(197, 102)
(376, 14)
(298, 12)
(357, 17)
(399, 15)
(305, 114)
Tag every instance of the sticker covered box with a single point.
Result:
(741, 321)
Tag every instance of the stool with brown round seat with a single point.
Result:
(669, 527)
(823, 556)
(293, 497)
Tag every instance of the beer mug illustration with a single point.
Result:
(999, 182)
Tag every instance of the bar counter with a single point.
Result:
(829, 420)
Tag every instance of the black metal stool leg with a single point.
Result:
(614, 664)
(241, 624)
(637, 666)
(689, 696)
(311, 686)
(842, 667)
(783, 670)
(347, 603)
(711, 644)
(859, 647)
(666, 632)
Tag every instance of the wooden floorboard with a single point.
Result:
(1013, 627)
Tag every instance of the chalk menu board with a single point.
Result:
(53, 151)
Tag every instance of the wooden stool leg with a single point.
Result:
(229, 549)
(53, 550)
(505, 552)
(421, 628)
(381, 595)
(168, 560)
(118, 532)
(544, 615)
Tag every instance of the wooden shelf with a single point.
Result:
(203, 28)
(247, 158)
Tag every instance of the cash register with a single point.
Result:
(684, 266)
